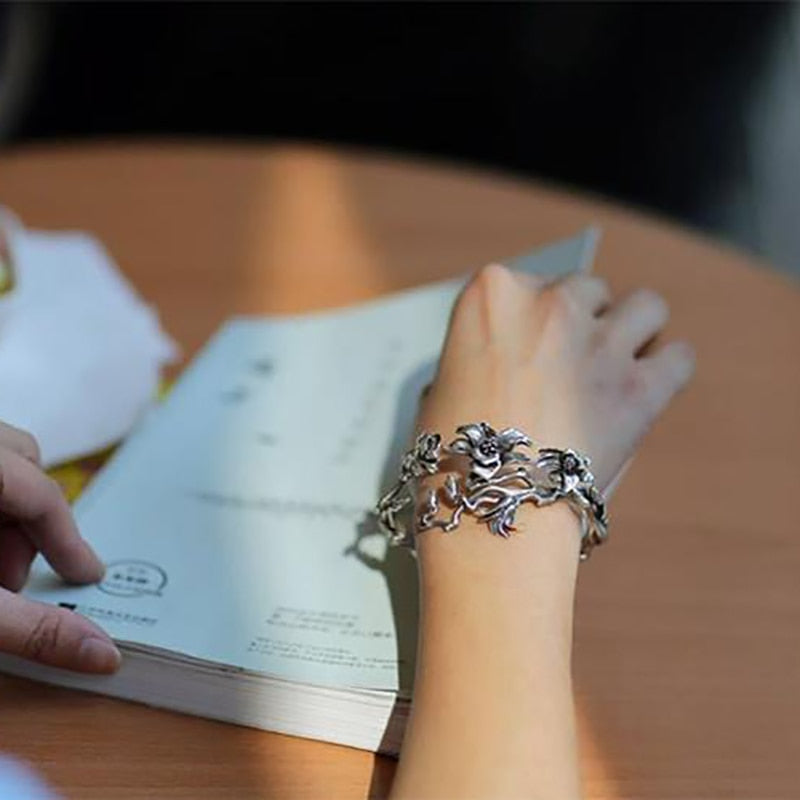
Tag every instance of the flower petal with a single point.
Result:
(474, 432)
(488, 431)
(548, 458)
(459, 447)
(486, 470)
(509, 438)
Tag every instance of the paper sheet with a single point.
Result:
(80, 353)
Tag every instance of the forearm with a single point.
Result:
(492, 714)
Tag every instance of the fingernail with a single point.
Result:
(89, 570)
(101, 569)
(98, 655)
(95, 568)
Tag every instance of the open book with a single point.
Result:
(246, 581)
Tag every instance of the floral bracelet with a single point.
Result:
(497, 480)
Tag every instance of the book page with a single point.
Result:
(235, 521)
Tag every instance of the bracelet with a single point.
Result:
(497, 481)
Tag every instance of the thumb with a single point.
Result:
(55, 636)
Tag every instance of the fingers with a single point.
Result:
(483, 309)
(665, 373)
(54, 636)
(635, 320)
(34, 515)
(20, 442)
(16, 556)
(498, 287)
(43, 515)
(589, 291)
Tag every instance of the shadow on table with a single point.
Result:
(397, 566)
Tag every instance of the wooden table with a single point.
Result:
(687, 654)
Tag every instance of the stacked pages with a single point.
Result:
(246, 581)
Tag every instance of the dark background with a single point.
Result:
(649, 103)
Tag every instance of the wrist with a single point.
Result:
(513, 595)
(542, 554)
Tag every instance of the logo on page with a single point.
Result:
(131, 578)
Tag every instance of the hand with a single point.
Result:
(571, 368)
(562, 362)
(35, 517)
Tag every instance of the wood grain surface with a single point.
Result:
(687, 654)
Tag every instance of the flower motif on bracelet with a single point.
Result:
(422, 459)
(567, 469)
(488, 450)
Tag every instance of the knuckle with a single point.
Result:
(489, 288)
(602, 339)
(54, 492)
(52, 495)
(585, 291)
(44, 637)
(636, 386)
(648, 389)
(558, 299)
(651, 300)
(603, 287)
(492, 277)
(681, 362)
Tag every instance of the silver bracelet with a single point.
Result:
(497, 481)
